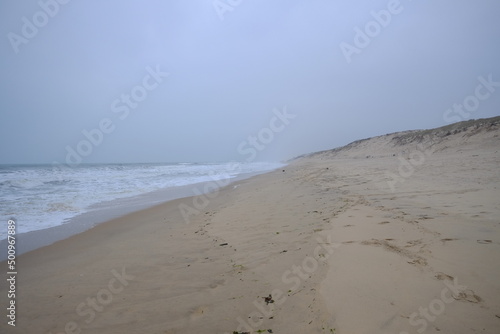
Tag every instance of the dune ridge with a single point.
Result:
(449, 136)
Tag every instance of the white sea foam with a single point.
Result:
(40, 197)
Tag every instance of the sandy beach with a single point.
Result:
(394, 234)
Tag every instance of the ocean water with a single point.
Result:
(43, 196)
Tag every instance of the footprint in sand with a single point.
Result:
(465, 295)
(443, 276)
(469, 296)
(448, 239)
(217, 283)
(485, 242)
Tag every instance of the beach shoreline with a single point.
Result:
(101, 213)
(328, 244)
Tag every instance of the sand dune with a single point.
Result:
(394, 234)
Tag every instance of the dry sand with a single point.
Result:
(398, 233)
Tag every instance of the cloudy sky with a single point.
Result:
(203, 80)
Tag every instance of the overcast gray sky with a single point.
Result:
(232, 65)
